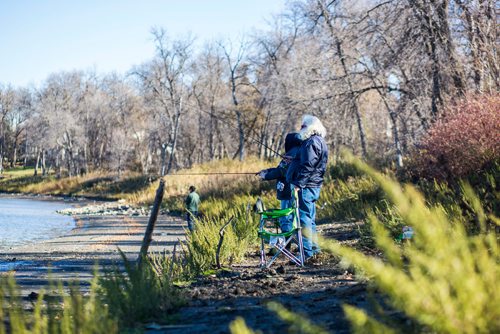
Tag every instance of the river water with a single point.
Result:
(25, 220)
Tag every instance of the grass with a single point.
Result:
(18, 172)
(59, 312)
(444, 281)
(97, 184)
(143, 294)
(118, 302)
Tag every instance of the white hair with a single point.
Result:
(311, 125)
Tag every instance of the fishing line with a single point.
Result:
(235, 127)
(221, 173)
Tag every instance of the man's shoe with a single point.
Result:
(314, 260)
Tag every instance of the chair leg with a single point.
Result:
(281, 249)
(262, 253)
(301, 246)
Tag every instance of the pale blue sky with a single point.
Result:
(39, 37)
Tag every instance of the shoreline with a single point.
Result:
(34, 219)
(96, 238)
(55, 197)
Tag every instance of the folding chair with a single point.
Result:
(278, 240)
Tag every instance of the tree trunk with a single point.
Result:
(163, 159)
(211, 146)
(446, 40)
(14, 155)
(25, 162)
(174, 141)
(44, 169)
(361, 130)
(37, 163)
(394, 125)
(355, 109)
(58, 164)
(436, 99)
(241, 136)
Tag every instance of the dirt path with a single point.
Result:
(317, 291)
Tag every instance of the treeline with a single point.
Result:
(377, 73)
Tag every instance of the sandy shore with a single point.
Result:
(95, 239)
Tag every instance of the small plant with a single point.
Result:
(140, 294)
(238, 237)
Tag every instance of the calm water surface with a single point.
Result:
(24, 220)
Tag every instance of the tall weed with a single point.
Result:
(57, 313)
(239, 236)
(140, 294)
(445, 280)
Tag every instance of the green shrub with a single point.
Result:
(448, 281)
(140, 294)
(202, 244)
(343, 171)
(58, 313)
(451, 196)
(342, 200)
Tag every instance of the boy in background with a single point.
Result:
(192, 203)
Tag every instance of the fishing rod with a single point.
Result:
(221, 173)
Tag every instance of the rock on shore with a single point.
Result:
(108, 209)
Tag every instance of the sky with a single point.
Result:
(40, 37)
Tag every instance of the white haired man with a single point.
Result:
(306, 174)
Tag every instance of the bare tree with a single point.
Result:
(237, 76)
(208, 91)
(7, 100)
(163, 77)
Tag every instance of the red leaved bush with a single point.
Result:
(463, 141)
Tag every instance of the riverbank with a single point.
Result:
(97, 238)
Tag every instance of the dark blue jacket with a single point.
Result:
(292, 147)
(309, 166)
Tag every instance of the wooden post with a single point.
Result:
(152, 221)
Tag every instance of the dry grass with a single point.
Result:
(221, 185)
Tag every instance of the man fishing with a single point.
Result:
(306, 173)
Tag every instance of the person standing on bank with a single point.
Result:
(305, 174)
(192, 204)
(283, 188)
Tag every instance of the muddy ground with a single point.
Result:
(317, 292)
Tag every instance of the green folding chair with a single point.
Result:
(272, 238)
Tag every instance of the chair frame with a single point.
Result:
(279, 241)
